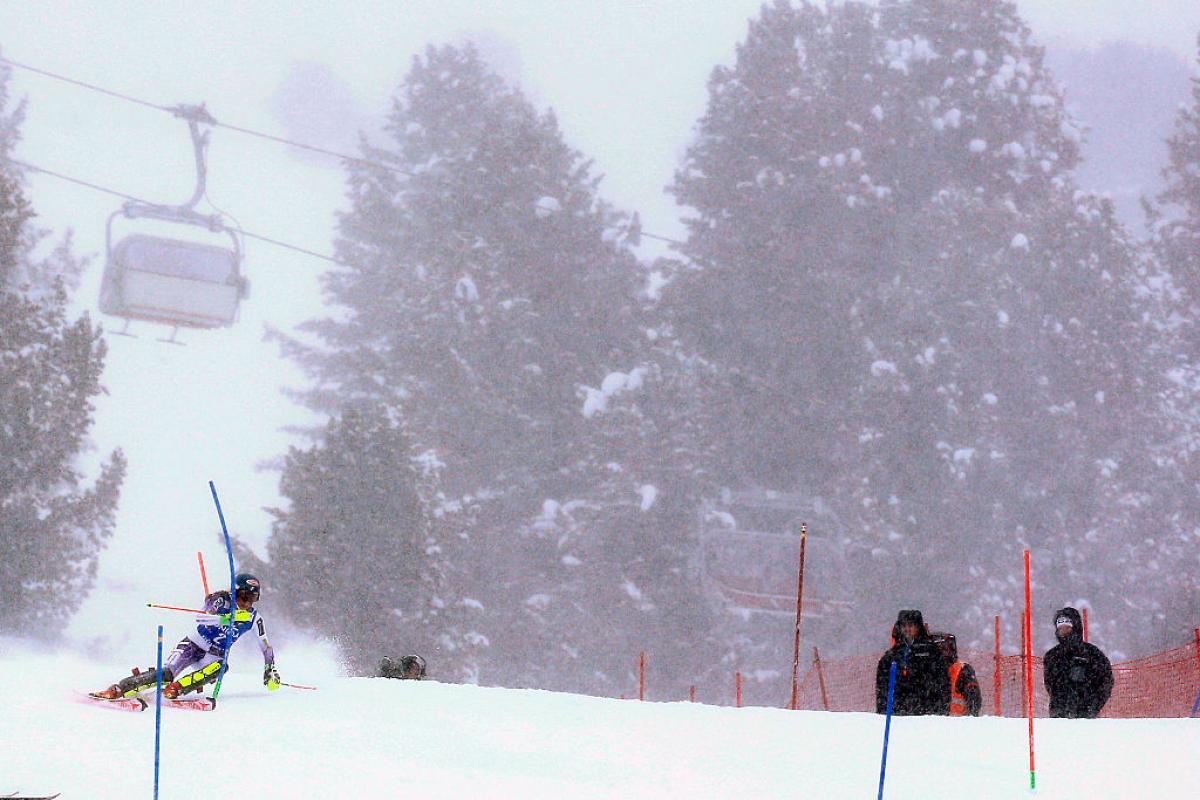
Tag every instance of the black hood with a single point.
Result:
(908, 615)
(1072, 614)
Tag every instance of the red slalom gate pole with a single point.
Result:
(1085, 625)
(692, 693)
(642, 676)
(799, 609)
(996, 677)
(737, 683)
(1029, 672)
(820, 678)
(1024, 652)
(203, 577)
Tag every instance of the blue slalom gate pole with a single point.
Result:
(1195, 705)
(887, 727)
(232, 595)
(158, 711)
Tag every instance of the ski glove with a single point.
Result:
(222, 620)
(270, 677)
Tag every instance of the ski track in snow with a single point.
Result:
(370, 737)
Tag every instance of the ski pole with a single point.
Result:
(238, 617)
(887, 727)
(177, 608)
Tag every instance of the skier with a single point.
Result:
(409, 668)
(1078, 675)
(922, 674)
(196, 660)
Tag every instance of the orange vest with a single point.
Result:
(958, 703)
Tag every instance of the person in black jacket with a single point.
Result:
(966, 698)
(922, 674)
(1077, 674)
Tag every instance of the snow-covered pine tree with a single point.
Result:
(1174, 217)
(353, 554)
(52, 525)
(490, 286)
(918, 314)
(1178, 207)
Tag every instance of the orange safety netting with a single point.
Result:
(1161, 685)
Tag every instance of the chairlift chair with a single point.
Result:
(172, 281)
(169, 280)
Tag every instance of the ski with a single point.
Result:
(120, 703)
(19, 796)
(190, 703)
(139, 703)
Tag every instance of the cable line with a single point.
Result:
(132, 198)
(91, 86)
(208, 119)
(176, 111)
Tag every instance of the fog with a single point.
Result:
(628, 85)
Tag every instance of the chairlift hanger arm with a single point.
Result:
(195, 116)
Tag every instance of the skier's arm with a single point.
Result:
(270, 673)
(268, 652)
(1104, 684)
(882, 675)
(968, 687)
(941, 679)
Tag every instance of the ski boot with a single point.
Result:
(111, 693)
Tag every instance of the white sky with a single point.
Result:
(627, 80)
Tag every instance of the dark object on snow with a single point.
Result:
(410, 668)
(922, 674)
(1078, 675)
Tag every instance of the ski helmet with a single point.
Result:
(247, 583)
(408, 662)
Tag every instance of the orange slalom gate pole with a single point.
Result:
(820, 678)
(1029, 673)
(642, 676)
(737, 683)
(203, 577)
(799, 608)
(996, 677)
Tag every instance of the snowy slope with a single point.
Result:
(364, 737)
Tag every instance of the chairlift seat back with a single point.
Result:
(172, 281)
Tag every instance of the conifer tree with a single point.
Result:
(916, 312)
(52, 525)
(354, 549)
(492, 289)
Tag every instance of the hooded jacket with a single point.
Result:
(1078, 675)
(922, 674)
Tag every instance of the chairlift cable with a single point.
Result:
(183, 111)
(180, 111)
(239, 229)
(91, 86)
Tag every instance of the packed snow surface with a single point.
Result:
(370, 737)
